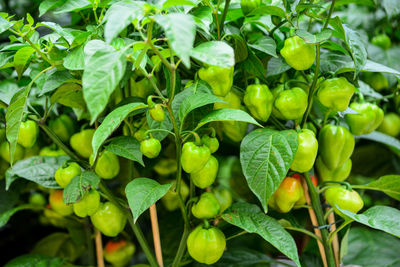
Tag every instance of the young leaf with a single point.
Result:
(389, 184)
(127, 147)
(227, 114)
(196, 101)
(73, 5)
(75, 60)
(79, 185)
(47, 5)
(170, 3)
(215, 53)
(314, 38)
(142, 193)
(4, 24)
(266, 156)
(21, 58)
(250, 218)
(58, 29)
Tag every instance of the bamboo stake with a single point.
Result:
(156, 234)
(335, 242)
(99, 249)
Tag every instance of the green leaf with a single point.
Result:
(69, 95)
(127, 147)
(73, 5)
(389, 184)
(7, 90)
(391, 142)
(166, 124)
(376, 67)
(392, 7)
(120, 15)
(4, 24)
(227, 114)
(265, 44)
(142, 193)
(268, 10)
(250, 218)
(180, 30)
(215, 53)
(21, 58)
(196, 101)
(102, 74)
(5, 216)
(37, 260)
(276, 66)
(265, 156)
(314, 38)
(111, 123)
(55, 80)
(78, 186)
(37, 169)
(378, 217)
(58, 29)
(75, 59)
(47, 5)
(170, 3)
(245, 257)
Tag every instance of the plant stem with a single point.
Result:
(238, 234)
(226, 8)
(304, 232)
(333, 234)
(89, 242)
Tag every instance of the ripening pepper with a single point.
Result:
(390, 124)
(194, 157)
(287, 195)
(206, 207)
(290, 104)
(150, 147)
(57, 203)
(63, 126)
(66, 172)
(28, 133)
(5, 152)
(171, 200)
(249, 5)
(157, 113)
(306, 151)
(335, 93)
(224, 198)
(297, 53)
(336, 144)
(82, 142)
(211, 142)
(119, 253)
(382, 40)
(345, 199)
(339, 174)
(206, 176)
(376, 80)
(206, 245)
(220, 79)
(109, 219)
(107, 166)
(88, 205)
(259, 100)
(368, 120)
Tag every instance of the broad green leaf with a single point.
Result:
(21, 59)
(250, 218)
(69, 95)
(78, 186)
(8, 199)
(75, 60)
(376, 67)
(245, 257)
(196, 101)
(389, 184)
(180, 30)
(7, 89)
(58, 29)
(170, 3)
(265, 156)
(314, 38)
(37, 169)
(227, 114)
(5, 58)
(111, 123)
(254, 66)
(378, 217)
(47, 5)
(73, 5)
(265, 44)
(382, 138)
(142, 193)
(276, 66)
(127, 147)
(203, 18)
(55, 80)
(4, 24)
(269, 10)
(102, 74)
(120, 15)
(5, 216)
(357, 2)
(392, 7)
(38, 260)
(216, 53)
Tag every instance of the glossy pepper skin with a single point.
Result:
(206, 245)
(259, 100)
(220, 79)
(63, 126)
(57, 203)
(170, 199)
(287, 195)
(66, 172)
(107, 166)
(194, 157)
(336, 144)
(88, 205)
(291, 104)
(157, 113)
(207, 206)
(382, 40)
(109, 219)
(390, 124)
(368, 120)
(335, 93)
(345, 199)
(150, 148)
(211, 142)
(82, 142)
(249, 5)
(28, 133)
(376, 80)
(297, 53)
(119, 253)
(224, 198)
(5, 152)
(306, 151)
(339, 174)
(206, 176)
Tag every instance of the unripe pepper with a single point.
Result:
(376, 80)
(150, 147)
(82, 142)
(194, 157)
(107, 166)
(249, 5)
(157, 113)
(291, 104)
(287, 195)
(220, 79)
(206, 245)
(171, 200)
(224, 198)
(211, 142)
(207, 206)
(88, 205)
(335, 93)
(232, 100)
(382, 40)
(206, 176)
(5, 152)
(306, 151)
(37, 199)
(28, 133)
(57, 203)
(66, 172)
(32, 151)
(109, 219)
(259, 100)
(51, 151)
(368, 120)
(345, 199)
(63, 127)
(390, 124)
(339, 174)
(119, 253)
(297, 53)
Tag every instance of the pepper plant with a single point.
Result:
(269, 130)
